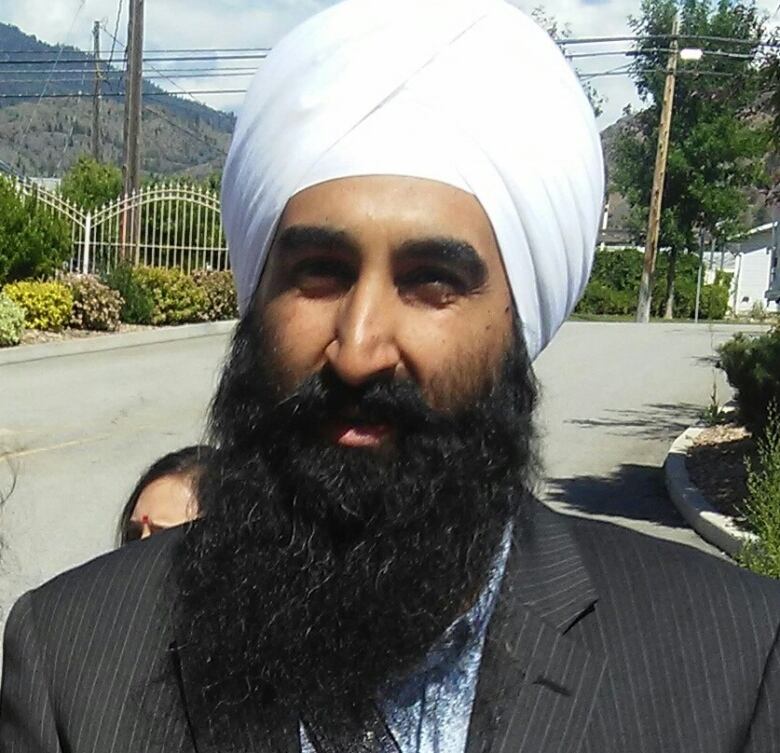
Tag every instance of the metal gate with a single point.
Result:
(167, 225)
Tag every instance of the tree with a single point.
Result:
(91, 184)
(717, 146)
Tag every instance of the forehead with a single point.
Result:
(396, 209)
(164, 493)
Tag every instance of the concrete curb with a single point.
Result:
(25, 353)
(712, 526)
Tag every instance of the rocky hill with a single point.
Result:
(43, 137)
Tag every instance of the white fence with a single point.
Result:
(168, 225)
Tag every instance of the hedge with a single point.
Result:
(614, 286)
(159, 295)
(136, 295)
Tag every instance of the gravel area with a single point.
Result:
(716, 465)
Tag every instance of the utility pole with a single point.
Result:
(656, 197)
(131, 167)
(133, 96)
(700, 274)
(96, 96)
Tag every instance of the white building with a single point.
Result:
(752, 259)
(48, 184)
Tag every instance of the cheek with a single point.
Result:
(297, 333)
(455, 354)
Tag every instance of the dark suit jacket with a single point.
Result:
(603, 640)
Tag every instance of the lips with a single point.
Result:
(353, 434)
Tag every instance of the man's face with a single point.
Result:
(383, 322)
(386, 278)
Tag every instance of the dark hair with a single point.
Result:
(186, 461)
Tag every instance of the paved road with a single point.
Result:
(81, 429)
(614, 398)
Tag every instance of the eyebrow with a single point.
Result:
(449, 251)
(452, 252)
(300, 237)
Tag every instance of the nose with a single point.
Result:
(364, 347)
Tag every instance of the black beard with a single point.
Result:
(318, 574)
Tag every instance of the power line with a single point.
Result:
(264, 55)
(148, 108)
(227, 69)
(173, 50)
(212, 92)
(54, 66)
(154, 77)
(215, 53)
(198, 137)
(181, 89)
(690, 72)
(639, 53)
(199, 92)
(188, 58)
(116, 31)
(649, 38)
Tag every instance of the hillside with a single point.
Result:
(44, 138)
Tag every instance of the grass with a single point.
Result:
(762, 506)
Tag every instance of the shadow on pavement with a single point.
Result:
(653, 421)
(635, 492)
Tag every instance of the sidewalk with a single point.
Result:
(109, 341)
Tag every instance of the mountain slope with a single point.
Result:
(44, 137)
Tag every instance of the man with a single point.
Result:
(411, 201)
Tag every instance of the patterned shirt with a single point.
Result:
(429, 711)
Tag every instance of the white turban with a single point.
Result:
(471, 93)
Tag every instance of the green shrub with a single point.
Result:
(762, 506)
(220, 291)
(614, 283)
(177, 298)
(34, 242)
(137, 301)
(715, 297)
(752, 365)
(11, 321)
(619, 268)
(614, 286)
(95, 305)
(600, 298)
(91, 184)
(47, 305)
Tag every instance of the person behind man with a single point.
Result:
(411, 201)
(164, 496)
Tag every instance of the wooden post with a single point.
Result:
(656, 196)
(96, 96)
(133, 94)
(133, 107)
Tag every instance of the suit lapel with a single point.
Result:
(537, 685)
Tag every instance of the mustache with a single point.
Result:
(323, 397)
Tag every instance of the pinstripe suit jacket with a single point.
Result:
(603, 641)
